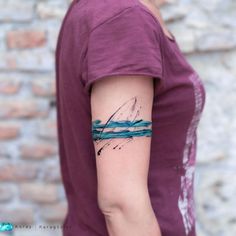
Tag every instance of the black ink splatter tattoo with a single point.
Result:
(121, 124)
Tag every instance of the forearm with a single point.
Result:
(129, 220)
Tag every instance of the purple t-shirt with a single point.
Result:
(103, 38)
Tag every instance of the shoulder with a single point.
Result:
(95, 13)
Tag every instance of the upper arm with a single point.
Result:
(123, 59)
(121, 127)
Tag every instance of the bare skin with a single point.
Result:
(122, 144)
(153, 6)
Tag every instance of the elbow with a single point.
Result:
(110, 205)
(129, 212)
(123, 203)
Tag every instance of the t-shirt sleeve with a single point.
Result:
(126, 44)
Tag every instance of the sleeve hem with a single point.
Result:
(90, 82)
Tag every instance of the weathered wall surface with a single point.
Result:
(30, 185)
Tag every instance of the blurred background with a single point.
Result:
(31, 194)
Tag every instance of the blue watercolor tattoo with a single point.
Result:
(126, 123)
(121, 124)
(97, 134)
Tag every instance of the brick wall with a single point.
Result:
(31, 192)
(30, 184)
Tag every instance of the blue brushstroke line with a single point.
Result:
(5, 226)
(121, 134)
(114, 124)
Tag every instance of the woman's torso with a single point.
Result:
(178, 104)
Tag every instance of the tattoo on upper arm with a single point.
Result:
(123, 123)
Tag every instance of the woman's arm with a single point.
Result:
(122, 124)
